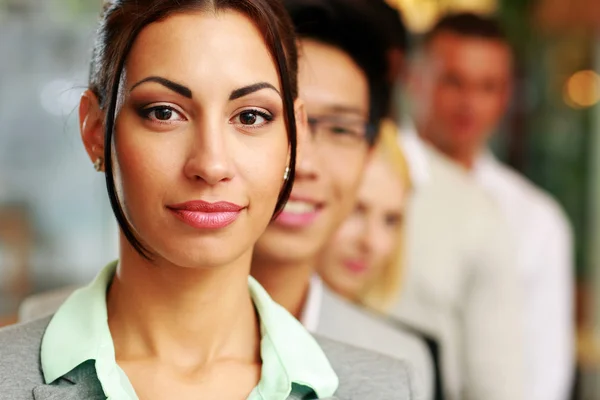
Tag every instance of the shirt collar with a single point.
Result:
(416, 154)
(297, 353)
(312, 307)
(485, 169)
(79, 332)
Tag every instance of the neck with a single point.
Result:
(184, 316)
(463, 157)
(286, 282)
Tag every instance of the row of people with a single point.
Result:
(194, 113)
(440, 283)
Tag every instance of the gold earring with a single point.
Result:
(286, 174)
(98, 164)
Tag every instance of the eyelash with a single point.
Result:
(267, 116)
(145, 113)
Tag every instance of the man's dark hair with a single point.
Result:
(467, 24)
(352, 27)
(392, 24)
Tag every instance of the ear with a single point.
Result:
(302, 128)
(91, 124)
(396, 66)
(508, 93)
(413, 79)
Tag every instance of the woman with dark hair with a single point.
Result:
(192, 115)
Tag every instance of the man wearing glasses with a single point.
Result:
(342, 81)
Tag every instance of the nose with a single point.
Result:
(307, 164)
(209, 157)
(369, 237)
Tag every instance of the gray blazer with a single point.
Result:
(362, 374)
(348, 323)
(338, 320)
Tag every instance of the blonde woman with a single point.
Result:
(363, 261)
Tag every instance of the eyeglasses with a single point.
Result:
(341, 131)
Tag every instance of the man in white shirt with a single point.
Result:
(460, 86)
(461, 283)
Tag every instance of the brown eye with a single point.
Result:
(252, 119)
(163, 114)
(248, 118)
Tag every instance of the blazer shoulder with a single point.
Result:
(20, 367)
(366, 374)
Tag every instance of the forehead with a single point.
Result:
(330, 79)
(471, 55)
(382, 185)
(206, 50)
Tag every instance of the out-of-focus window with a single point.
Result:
(56, 227)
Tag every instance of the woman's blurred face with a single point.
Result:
(366, 241)
(200, 142)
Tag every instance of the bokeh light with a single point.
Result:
(582, 89)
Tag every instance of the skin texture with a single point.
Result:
(367, 239)
(328, 174)
(460, 88)
(185, 324)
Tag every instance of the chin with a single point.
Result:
(345, 289)
(286, 247)
(202, 255)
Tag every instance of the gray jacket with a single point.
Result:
(348, 323)
(338, 319)
(362, 374)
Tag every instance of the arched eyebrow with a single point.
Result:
(187, 92)
(246, 90)
(169, 84)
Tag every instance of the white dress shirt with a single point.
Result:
(311, 313)
(461, 282)
(545, 259)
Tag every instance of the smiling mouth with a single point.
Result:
(298, 214)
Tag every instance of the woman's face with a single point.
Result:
(366, 241)
(200, 142)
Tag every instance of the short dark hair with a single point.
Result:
(392, 24)
(468, 24)
(350, 26)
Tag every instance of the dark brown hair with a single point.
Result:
(468, 24)
(352, 27)
(121, 23)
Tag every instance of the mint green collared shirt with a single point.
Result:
(292, 361)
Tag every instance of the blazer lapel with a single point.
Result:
(65, 392)
(79, 384)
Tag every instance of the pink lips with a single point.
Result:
(297, 220)
(204, 215)
(356, 266)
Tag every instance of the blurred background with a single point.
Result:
(552, 135)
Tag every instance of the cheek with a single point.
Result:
(145, 165)
(388, 243)
(261, 165)
(345, 178)
(447, 101)
(494, 109)
(346, 237)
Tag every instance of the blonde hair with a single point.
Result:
(381, 293)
